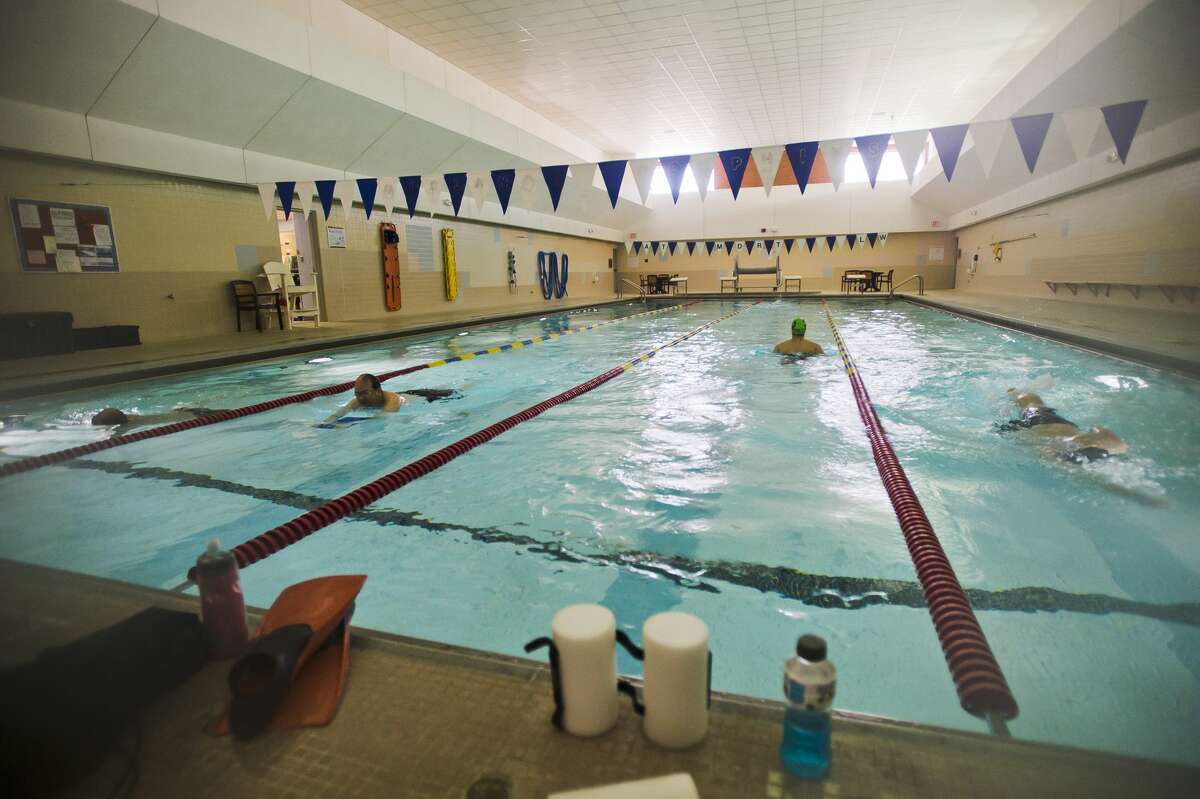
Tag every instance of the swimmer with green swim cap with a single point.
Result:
(798, 344)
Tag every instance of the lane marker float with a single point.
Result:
(982, 689)
(304, 525)
(62, 455)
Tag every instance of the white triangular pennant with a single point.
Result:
(387, 194)
(1082, 125)
(986, 138)
(346, 191)
(477, 186)
(628, 246)
(882, 239)
(305, 190)
(266, 193)
(702, 169)
(766, 160)
(909, 144)
(527, 185)
(835, 152)
(584, 176)
(643, 175)
(432, 188)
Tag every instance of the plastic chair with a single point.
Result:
(247, 297)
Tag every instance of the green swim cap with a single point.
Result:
(798, 327)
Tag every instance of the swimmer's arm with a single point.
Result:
(342, 411)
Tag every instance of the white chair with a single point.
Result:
(279, 278)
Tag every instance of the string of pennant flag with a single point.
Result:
(1082, 125)
(734, 246)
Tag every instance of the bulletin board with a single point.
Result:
(64, 237)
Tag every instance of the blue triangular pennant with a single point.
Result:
(691, 245)
(637, 248)
(411, 186)
(503, 180)
(366, 190)
(735, 162)
(556, 178)
(871, 149)
(1031, 134)
(654, 247)
(750, 246)
(729, 246)
(287, 192)
(325, 195)
(769, 243)
(673, 167)
(614, 173)
(802, 155)
(456, 184)
(708, 245)
(788, 244)
(831, 242)
(811, 241)
(1122, 121)
(671, 245)
(851, 238)
(871, 238)
(949, 141)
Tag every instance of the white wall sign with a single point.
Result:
(337, 236)
(937, 253)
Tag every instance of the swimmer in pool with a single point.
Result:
(369, 393)
(798, 344)
(121, 421)
(1079, 447)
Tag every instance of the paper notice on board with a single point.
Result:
(66, 235)
(68, 261)
(49, 244)
(62, 217)
(35, 257)
(29, 215)
(937, 253)
(102, 235)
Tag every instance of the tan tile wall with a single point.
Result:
(177, 237)
(353, 276)
(1145, 229)
(173, 236)
(820, 270)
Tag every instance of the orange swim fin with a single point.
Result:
(294, 671)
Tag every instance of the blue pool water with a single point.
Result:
(718, 479)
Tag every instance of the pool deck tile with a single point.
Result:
(426, 720)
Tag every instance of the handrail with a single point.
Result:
(920, 285)
(641, 291)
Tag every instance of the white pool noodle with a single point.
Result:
(676, 679)
(673, 786)
(585, 636)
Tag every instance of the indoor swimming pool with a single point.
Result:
(717, 478)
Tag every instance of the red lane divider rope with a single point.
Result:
(306, 524)
(62, 455)
(982, 689)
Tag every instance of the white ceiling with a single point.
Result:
(652, 77)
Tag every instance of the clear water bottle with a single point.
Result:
(809, 681)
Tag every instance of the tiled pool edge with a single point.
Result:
(85, 378)
(432, 717)
(1136, 354)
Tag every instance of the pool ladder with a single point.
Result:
(920, 285)
(641, 291)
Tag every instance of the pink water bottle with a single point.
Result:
(222, 606)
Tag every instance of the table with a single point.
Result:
(732, 281)
(788, 279)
